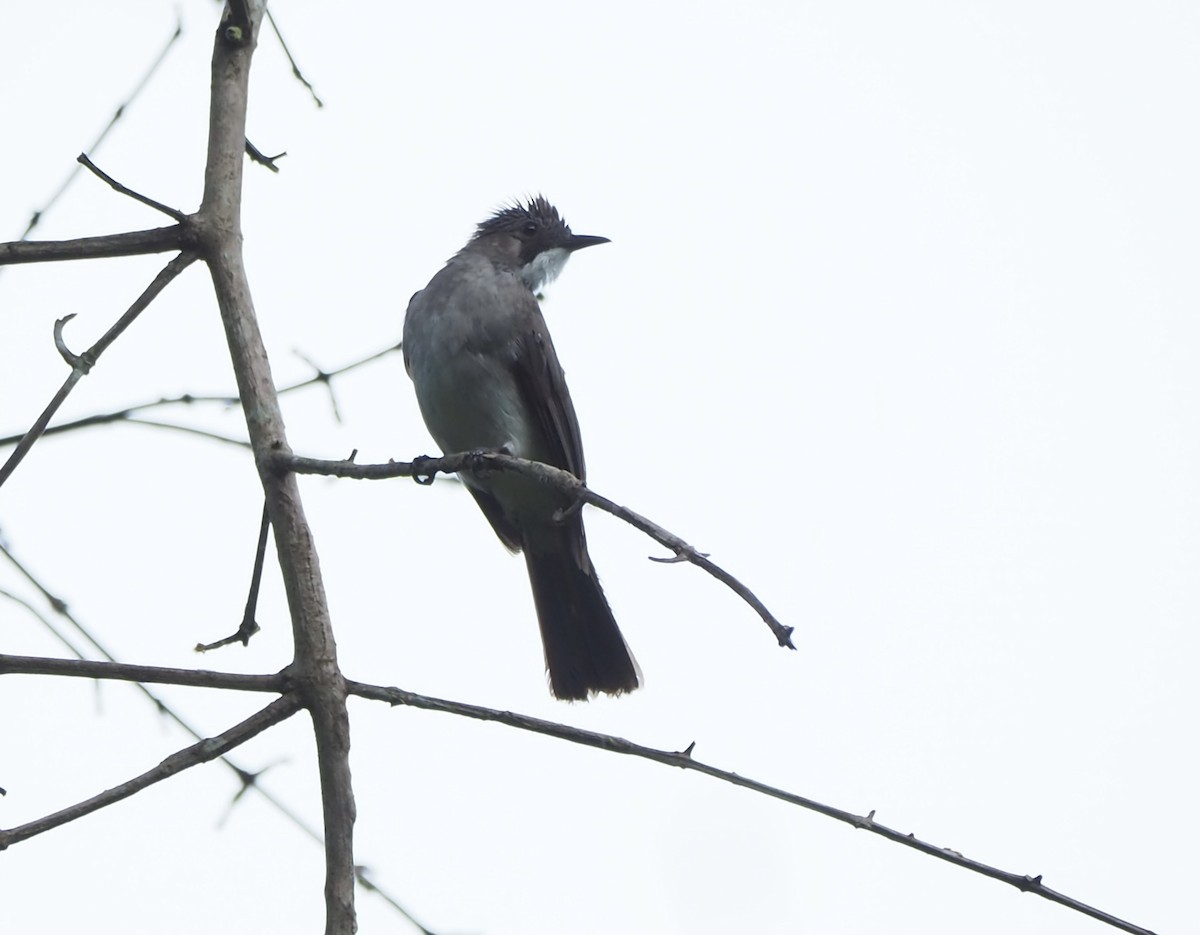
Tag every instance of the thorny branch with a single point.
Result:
(321, 681)
(284, 707)
(423, 471)
(683, 759)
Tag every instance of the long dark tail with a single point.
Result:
(585, 652)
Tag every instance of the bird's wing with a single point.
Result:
(543, 387)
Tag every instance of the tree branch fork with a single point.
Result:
(315, 682)
(294, 696)
(189, 233)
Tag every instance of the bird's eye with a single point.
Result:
(530, 228)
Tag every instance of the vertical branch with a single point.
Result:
(315, 665)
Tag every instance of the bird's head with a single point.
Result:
(534, 238)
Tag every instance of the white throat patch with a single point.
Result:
(544, 268)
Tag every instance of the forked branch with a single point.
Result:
(81, 363)
(209, 749)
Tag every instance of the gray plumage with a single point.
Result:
(487, 377)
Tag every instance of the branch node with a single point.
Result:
(477, 460)
(257, 155)
(326, 378)
(865, 824)
(248, 628)
(81, 362)
(681, 557)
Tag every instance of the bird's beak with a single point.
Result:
(579, 241)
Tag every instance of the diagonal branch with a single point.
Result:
(116, 186)
(43, 619)
(683, 760)
(129, 413)
(82, 363)
(423, 471)
(299, 76)
(278, 710)
(247, 778)
(118, 113)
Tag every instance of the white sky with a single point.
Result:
(898, 322)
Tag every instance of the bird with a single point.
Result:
(487, 377)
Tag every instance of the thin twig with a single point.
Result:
(116, 186)
(209, 749)
(326, 379)
(247, 777)
(424, 469)
(60, 607)
(188, 399)
(683, 759)
(291, 61)
(257, 155)
(190, 430)
(122, 108)
(44, 620)
(88, 358)
(249, 625)
(360, 874)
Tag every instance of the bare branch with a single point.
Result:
(365, 881)
(291, 61)
(423, 471)
(325, 379)
(683, 759)
(245, 776)
(249, 625)
(278, 710)
(43, 620)
(190, 430)
(84, 668)
(318, 679)
(116, 186)
(133, 243)
(257, 155)
(85, 361)
(187, 399)
(120, 111)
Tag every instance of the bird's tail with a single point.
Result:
(585, 652)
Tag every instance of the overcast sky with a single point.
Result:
(898, 322)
